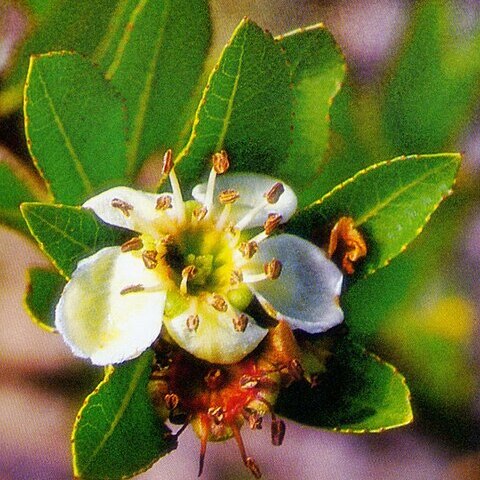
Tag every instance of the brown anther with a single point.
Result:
(240, 323)
(220, 162)
(248, 249)
(255, 421)
(189, 272)
(164, 202)
(132, 289)
(253, 467)
(200, 213)
(272, 222)
(218, 302)
(123, 206)
(213, 378)
(273, 195)
(231, 230)
(149, 258)
(228, 196)
(193, 321)
(295, 369)
(277, 431)
(236, 277)
(347, 244)
(171, 401)
(134, 243)
(247, 382)
(167, 163)
(167, 239)
(273, 269)
(217, 414)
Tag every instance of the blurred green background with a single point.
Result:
(413, 86)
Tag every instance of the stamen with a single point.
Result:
(123, 206)
(277, 431)
(149, 258)
(218, 302)
(295, 369)
(210, 189)
(193, 322)
(274, 194)
(228, 196)
(200, 213)
(236, 277)
(243, 222)
(248, 249)
(188, 273)
(164, 202)
(167, 163)
(273, 269)
(168, 169)
(213, 378)
(132, 244)
(240, 323)
(248, 461)
(167, 239)
(203, 450)
(222, 220)
(254, 419)
(171, 401)
(247, 382)
(132, 289)
(217, 414)
(253, 467)
(272, 222)
(220, 162)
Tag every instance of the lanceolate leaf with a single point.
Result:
(317, 69)
(153, 53)
(17, 185)
(43, 292)
(245, 109)
(75, 127)
(117, 433)
(60, 25)
(357, 393)
(434, 85)
(68, 234)
(390, 202)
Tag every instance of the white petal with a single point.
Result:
(252, 188)
(306, 293)
(99, 323)
(215, 339)
(143, 217)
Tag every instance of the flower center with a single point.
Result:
(201, 257)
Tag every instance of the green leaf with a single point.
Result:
(390, 202)
(317, 70)
(62, 25)
(154, 54)
(245, 109)
(433, 87)
(75, 127)
(68, 234)
(117, 433)
(43, 292)
(17, 185)
(357, 393)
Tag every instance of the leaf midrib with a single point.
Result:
(121, 410)
(391, 198)
(68, 144)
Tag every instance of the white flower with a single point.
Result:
(194, 268)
